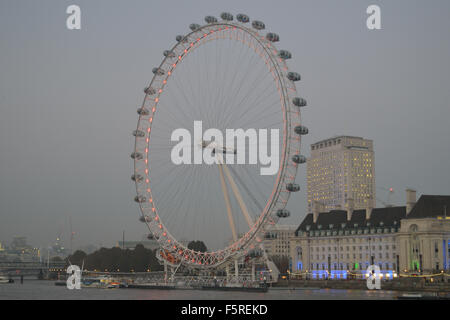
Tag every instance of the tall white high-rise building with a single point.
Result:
(340, 169)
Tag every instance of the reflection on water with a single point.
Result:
(35, 289)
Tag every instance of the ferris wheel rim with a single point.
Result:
(189, 256)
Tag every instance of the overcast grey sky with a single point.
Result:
(68, 99)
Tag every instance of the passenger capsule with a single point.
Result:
(143, 112)
(283, 213)
(292, 187)
(258, 25)
(272, 37)
(226, 16)
(294, 76)
(158, 71)
(140, 199)
(210, 19)
(299, 158)
(169, 53)
(139, 133)
(137, 177)
(150, 91)
(242, 18)
(299, 102)
(194, 26)
(144, 219)
(301, 130)
(284, 54)
(180, 38)
(137, 156)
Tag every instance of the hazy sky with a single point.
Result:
(68, 100)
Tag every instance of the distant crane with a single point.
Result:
(388, 202)
(72, 235)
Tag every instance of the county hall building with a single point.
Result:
(406, 239)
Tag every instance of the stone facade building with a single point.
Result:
(424, 236)
(337, 243)
(277, 240)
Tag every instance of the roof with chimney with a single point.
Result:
(336, 220)
(430, 206)
(381, 219)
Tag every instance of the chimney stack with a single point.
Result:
(369, 208)
(318, 207)
(350, 207)
(410, 200)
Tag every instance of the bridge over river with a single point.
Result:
(30, 269)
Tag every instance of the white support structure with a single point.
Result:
(165, 271)
(253, 270)
(227, 203)
(273, 270)
(238, 197)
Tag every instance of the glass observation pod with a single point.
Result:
(302, 130)
(194, 26)
(272, 37)
(284, 54)
(242, 18)
(137, 177)
(180, 38)
(283, 213)
(293, 76)
(149, 91)
(136, 156)
(226, 16)
(158, 71)
(293, 187)
(168, 53)
(140, 199)
(210, 19)
(143, 112)
(299, 158)
(139, 133)
(258, 25)
(144, 219)
(299, 102)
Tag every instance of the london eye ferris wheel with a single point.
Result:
(224, 74)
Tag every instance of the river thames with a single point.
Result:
(46, 290)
